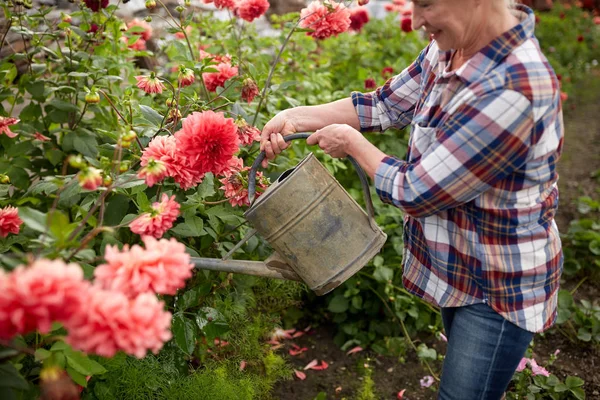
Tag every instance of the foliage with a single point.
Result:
(526, 384)
(582, 255)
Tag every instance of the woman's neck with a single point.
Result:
(485, 33)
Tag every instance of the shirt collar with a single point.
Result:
(496, 51)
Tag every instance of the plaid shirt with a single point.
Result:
(478, 188)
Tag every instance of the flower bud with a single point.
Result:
(66, 18)
(148, 18)
(92, 98)
(179, 9)
(123, 27)
(77, 161)
(170, 102)
(90, 178)
(124, 143)
(187, 3)
(107, 181)
(186, 76)
(150, 4)
(129, 136)
(4, 178)
(124, 166)
(363, 2)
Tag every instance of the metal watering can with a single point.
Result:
(321, 236)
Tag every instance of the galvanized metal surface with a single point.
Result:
(274, 267)
(316, 226)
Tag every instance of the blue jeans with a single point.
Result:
(484, 350)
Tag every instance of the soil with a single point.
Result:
(580, 159)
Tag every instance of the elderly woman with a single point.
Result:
(478, 186)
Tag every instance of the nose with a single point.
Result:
(417, 18)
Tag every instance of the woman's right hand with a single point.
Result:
(271, 138)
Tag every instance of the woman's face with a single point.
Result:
(452, 23)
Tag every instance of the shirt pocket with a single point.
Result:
(421, 138)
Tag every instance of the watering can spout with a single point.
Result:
(273, 267)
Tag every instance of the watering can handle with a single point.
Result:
(361, 175)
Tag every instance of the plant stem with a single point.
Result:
(112, 105)
(7, 343)
(578, 284)
(405, 331)
(268, 82)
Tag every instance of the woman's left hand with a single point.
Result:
(337, 140)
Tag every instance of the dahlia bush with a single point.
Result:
(125, 150)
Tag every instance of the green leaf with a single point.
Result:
(82, 364)
(63, 105)
(86, 145)
(34, 219)
(116, 209)
(151, 115)
(36, 89)
(574, 381)
(10, 377)
(59, 225)
(184, 331)
(357, 302)
(60, 346)
(55, 156)
(338, 304)
(142, 201)
(383, 274)
(561, 387)
(42, 354)
(184, 230)
(187, 299)
(78, 74)
(207, 187)
(77, 377)
(424, 352)
(584, 334)
(211, 322)
(196, 225)
(579, 393)
(18, 177)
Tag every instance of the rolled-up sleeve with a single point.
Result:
(392, 104)
(482, 142)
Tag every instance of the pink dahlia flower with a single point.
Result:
(213, 80)
(159, 220)
(235, 186)
(5, 122)
(10, 222)
(325, 21)
(90, 178)
(111, 322)
(146, 32)
(208, 140)
(164, 149)
(249, 90)
(247, 133)
(249, 10)
(358, 18)
(33, 297)
(154, 171)
(186, 77)
(40, 137)
(162, 267)
(150, 84)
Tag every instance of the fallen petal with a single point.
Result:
(296, 351)
(354, 350)
(273, 342)
(307, 328)
(338, 390)
(297, 334)
(242, 365)
(401, 394)
(322, 366)
(311, 364)
(443, 337)
(300, 375)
